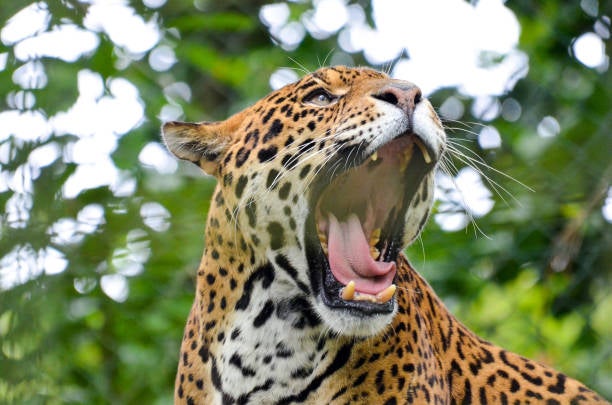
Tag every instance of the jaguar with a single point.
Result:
(304, 294)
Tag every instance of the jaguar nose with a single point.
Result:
(402, 95)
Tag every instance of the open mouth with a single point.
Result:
(359, 216)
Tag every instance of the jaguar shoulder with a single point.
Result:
(303, 292)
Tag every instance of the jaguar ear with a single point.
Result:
(201, 143)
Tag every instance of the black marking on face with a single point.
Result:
(235, 333)
(253, 137)
(204, 353)
(242, 156)
(289, 161)
(282, 351)
(300, 309)
(268, 115)
(219, 199)
(307, 85)
(302, 373)
(283, 193)
(265, 274)
(306, 146)
(284, 263)
(304, 171)
(266, 155)
(227, 158)
(242, 181)
(287, 110)
(272, 176)
(236, 361)
(251, 209)
(265, 314)
(277, 235)
(228, 179)
(275, 129)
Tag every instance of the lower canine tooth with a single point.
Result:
(374, 156)
(386, 294)
(348, 292)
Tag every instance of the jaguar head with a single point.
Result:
(335, 175)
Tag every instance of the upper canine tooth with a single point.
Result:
(424, 151)
(323, 240)
(375, 237)
(374, 156)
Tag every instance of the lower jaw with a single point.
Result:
(331, 295)
(354, 322)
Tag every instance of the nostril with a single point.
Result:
(417, 97)
(387, 97)
(403, 96)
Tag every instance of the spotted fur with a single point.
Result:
(263, 328)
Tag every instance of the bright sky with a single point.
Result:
(435, 44)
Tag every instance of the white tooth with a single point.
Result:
(323, 240)
(374, 156)
(374, 252)
(375, 237)
(424, 151)
(426, 156)
(348, 292)
(386, 294)
(364, 297)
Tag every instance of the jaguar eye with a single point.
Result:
(320, 98)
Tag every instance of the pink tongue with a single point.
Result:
(349, 257)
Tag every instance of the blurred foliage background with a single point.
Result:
(97, 275)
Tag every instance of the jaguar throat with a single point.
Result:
(358, 221)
